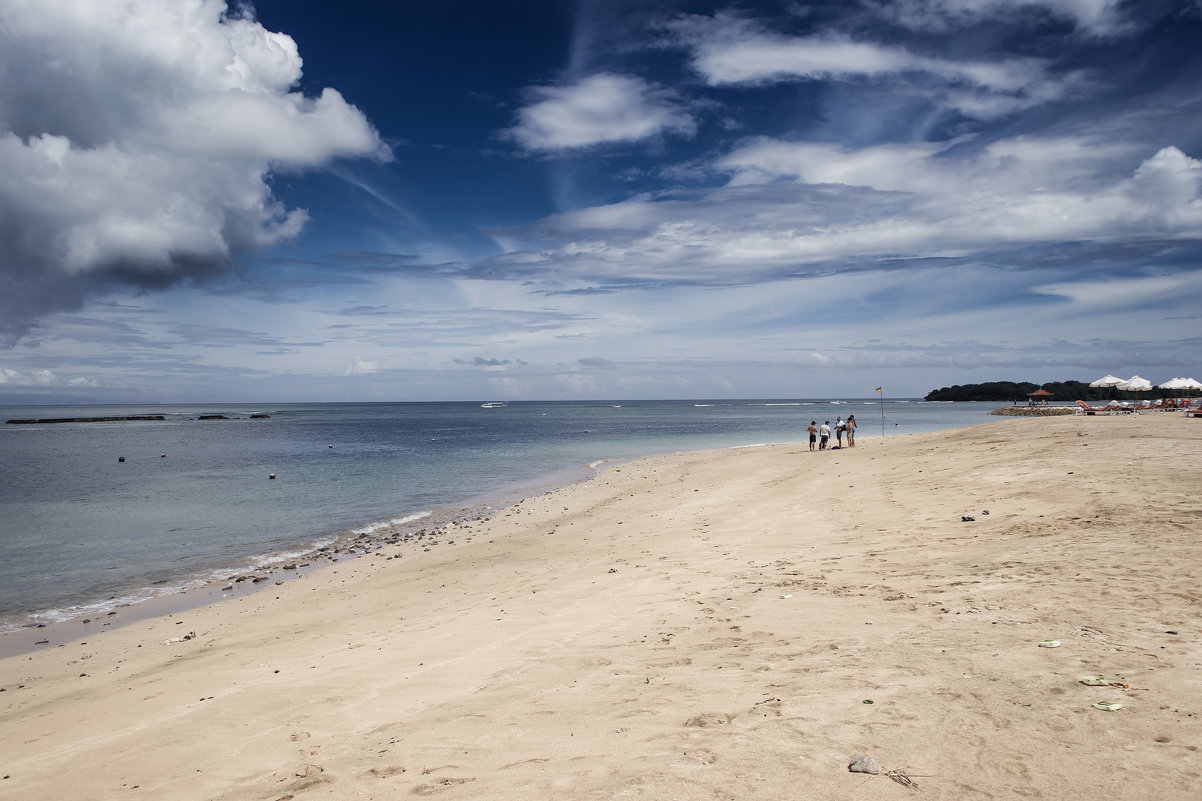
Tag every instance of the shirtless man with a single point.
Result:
(813, 429)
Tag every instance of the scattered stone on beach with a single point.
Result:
(191, 635)
(861, 763)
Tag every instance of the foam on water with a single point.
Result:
(372, 528)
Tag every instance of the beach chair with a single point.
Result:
(1109, 408)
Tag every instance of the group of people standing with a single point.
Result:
(820, 436)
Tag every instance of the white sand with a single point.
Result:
(702, 626)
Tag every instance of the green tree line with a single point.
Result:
(1018, 391)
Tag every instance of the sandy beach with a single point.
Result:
(735, 624)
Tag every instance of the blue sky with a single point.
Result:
(293, 200)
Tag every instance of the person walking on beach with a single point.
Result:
(813, 429)
(851, 431)
(824, 435)
(839, 428)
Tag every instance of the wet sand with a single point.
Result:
(706, 625)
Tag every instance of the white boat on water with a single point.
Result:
(494, 404)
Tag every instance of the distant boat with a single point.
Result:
(494, 404)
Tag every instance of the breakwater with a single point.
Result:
(121, 418)
(89, 419)
(1034, 411)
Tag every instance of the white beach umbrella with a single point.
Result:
(1107, 380)
(1136, 384)
(1189, 383)
(1172, 384)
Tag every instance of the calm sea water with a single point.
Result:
(81, 530)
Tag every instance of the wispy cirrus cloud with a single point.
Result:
(1090, 17)
(806, 208)
(731, 50)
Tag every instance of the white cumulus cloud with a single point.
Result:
(136, 142)
(599, 109)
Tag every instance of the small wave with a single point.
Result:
(278, 557)
(97, 608)
(371, 528)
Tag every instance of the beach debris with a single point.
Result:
(866, 701)
(862, 763)
(901, 777)
(1108, 706)
(172, 640)
(1049, 644)
(1095, 680)
(967, 518)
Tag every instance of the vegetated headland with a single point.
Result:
(1064, 391)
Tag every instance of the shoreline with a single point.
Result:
(191, 590)
(420, 529)
(45, 629)
(730, 623)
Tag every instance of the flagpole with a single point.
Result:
(881, 389)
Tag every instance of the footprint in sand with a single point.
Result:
(386, 771)
(439, 786)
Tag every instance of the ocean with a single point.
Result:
(94, 515)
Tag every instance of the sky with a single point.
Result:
(301, 200)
